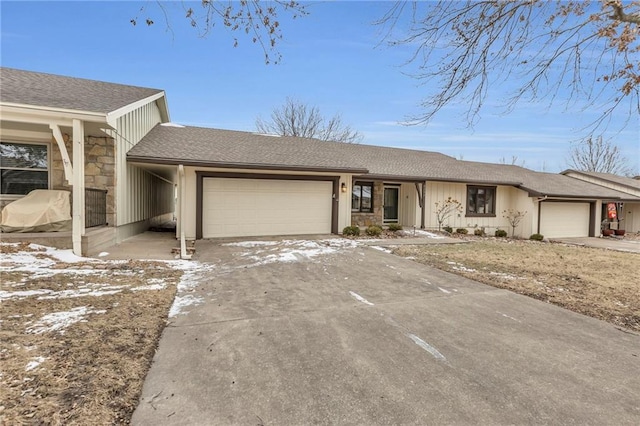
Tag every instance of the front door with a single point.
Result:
(391, 204)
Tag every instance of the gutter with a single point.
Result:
(252, 166)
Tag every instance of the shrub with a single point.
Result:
(462, 231)
(374, 231)
(501, 233)
(351, 231)
(536, 237)
(393, 227)
(479, 232)
(448, 229)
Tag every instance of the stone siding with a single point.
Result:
(376, 217)
(99, 169)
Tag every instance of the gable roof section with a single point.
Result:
(49, 91)
(633, 184)
(207, 147)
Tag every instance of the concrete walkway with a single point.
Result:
(300, 332)
(411, 241)
(145, 246)
(608, 243)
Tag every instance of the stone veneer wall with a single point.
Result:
(375, 218)
(99, 168)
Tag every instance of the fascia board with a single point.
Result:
(37, 114)
(114, 115)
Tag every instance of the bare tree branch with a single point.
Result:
(598, 155)
(257, 20)
(295, 118)
(464, 49)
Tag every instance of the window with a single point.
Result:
(362, 197)
(481, 201)
(23, 167)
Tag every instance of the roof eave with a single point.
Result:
(251, 166)
(156, 97)
(31, 113)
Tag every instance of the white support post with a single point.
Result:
(78, 186)
(66, 162)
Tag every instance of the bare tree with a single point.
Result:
(598, 155)
(513, 162)
(445, 209)
(295, 118)
(257, 20)
(463, 49)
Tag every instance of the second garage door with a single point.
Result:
(559, 220)
(254, 207)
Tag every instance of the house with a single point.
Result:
(627, 213)
(245, 184)
(80, 131)
(221, 183)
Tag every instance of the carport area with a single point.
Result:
(327, 331)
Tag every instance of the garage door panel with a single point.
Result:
(558, 220)
(253, 207)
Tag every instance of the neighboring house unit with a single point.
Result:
(118, 139)
(68, 133)
(245, 184)
(628, 211)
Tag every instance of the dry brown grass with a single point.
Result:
(92, 371)
(600, 283)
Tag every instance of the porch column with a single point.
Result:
(78, 186)
(421, 202)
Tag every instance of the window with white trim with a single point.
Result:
(23, 167)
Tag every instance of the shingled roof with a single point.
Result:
(199, 146)
(609, 177)
(78, 94)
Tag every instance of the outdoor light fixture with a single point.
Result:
(344, 187)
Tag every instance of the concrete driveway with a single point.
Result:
(617, 244)
(325, 332)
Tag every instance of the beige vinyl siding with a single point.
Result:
(139, 195)
(506, 197)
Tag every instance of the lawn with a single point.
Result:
(77, 335)
(600, 283)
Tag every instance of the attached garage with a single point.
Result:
(268, 205)
(564, 219)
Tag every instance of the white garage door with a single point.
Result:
(254, 207)
(559, 220)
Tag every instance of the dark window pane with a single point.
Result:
(355, 197)
(366, 198)
(23, 156)
(490, 201)
(21, 182)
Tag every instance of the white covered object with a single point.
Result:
(41, 210)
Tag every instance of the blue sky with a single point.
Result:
(331, 58)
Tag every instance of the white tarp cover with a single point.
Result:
(41, 210)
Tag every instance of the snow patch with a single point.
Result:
(59, 321)
(360, 298)
(34, 363)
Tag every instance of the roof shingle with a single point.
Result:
(55, 91)
(215, 147)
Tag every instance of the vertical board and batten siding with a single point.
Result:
(139, 194)
(506, 198)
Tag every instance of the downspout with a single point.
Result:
(181, 209)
